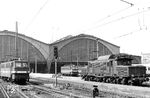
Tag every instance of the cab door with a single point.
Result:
(110, 68)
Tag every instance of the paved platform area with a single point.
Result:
(133, 91)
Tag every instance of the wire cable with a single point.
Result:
(113, 14)
(115, 20)
(38, 12)
(127, 2)
(127, 34)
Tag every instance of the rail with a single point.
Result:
(21, 94)
(4, 92)
(57, 91)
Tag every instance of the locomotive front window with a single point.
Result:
(21, 64)
(24, 64)
(18, 64)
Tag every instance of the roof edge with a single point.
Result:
(6, 31)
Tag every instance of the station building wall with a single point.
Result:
(74, 49)
(26, 50)
(80, 49)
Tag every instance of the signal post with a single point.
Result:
(55, 57)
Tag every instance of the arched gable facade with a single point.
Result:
(82, 48)
(27, 48)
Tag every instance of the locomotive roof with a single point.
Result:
(15, 61)
(107, 58)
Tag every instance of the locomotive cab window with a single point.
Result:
(18, 64)
(12, 64)
(24, 64)
(124, 62)
(21, 65)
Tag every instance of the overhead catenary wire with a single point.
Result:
(113, 14)
(141, 26)
(127, 2)
(127, 34)
(34, 17)
(118, 19)
(109, 16)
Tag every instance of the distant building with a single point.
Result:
(136, 59)
(145, 58)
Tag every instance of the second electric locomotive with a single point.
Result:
(15, 70)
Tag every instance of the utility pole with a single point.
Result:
(97, 50)
(16, 41)
(77, 60)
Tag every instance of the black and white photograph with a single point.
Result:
(74, 49)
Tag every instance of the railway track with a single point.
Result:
(60, 92)
(11, 91)
(106, 90)
(42, 90)
(4, 93)
(83, 92)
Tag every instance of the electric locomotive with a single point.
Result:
(69, 70)
(115, 68)
(15, 71)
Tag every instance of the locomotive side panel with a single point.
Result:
(103, 69)
(137, 71)
(66, 70)
(5, 70)
(83, 70)
(122, 71)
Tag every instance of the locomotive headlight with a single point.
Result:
(13, 76)
(132, 75)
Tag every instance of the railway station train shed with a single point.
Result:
(76, 50)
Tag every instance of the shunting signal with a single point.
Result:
(55, 52)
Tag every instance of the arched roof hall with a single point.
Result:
(72, 49)
(32, 50)
(81, 48)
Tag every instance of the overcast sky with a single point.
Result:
(123, 23)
